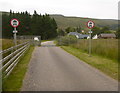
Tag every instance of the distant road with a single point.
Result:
(53, 69)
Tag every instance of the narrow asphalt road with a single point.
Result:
(53, 69)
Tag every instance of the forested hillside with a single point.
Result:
(46, 25)
(35, 24)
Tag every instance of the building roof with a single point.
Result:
(74, 33)
(78, 35)
(107, 35)
(83, 35)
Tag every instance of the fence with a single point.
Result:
(11, 57)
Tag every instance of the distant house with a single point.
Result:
(88, 37)
(78, 35)
(95, 37)
(36, 39)
(84, 36)
(107, 36)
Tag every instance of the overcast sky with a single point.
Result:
(103, 9)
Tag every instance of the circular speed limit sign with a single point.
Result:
(90, 24)
(14, 23)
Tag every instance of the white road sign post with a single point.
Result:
(90, 25)
(14, 23)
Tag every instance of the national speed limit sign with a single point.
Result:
(14, 23)
(90, 24)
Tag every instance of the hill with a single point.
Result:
(64, 22)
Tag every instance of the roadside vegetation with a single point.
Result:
(104, 53)
(47, 40)
(7, 43)
(14, 81)
(103, 47)
(109, 67)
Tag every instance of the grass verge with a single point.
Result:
(47, 40)
(109, 67)
(44, 40)
(15, 80)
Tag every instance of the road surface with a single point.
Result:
(53, 69)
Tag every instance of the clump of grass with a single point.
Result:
(103, 47)
(66, 40)
(7, 43)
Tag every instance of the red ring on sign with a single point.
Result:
(88, 22)
(13, 25)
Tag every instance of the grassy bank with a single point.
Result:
(15, 80)
(7, 43)
(103, 47)
(108, 66)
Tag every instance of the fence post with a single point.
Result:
(90, 41)
(69, 40)
(60, 40)
(0, 50)
(0, 70)
(15, 37)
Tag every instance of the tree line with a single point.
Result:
(36, 24)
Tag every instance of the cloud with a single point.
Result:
(82, 8)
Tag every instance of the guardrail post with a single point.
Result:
(0, 50)
(0, 76)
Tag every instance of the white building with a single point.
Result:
(95, 37)
(36, 39)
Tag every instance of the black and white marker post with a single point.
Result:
(15, 23)
(90, 25)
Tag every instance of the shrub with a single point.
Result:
(66, 40)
